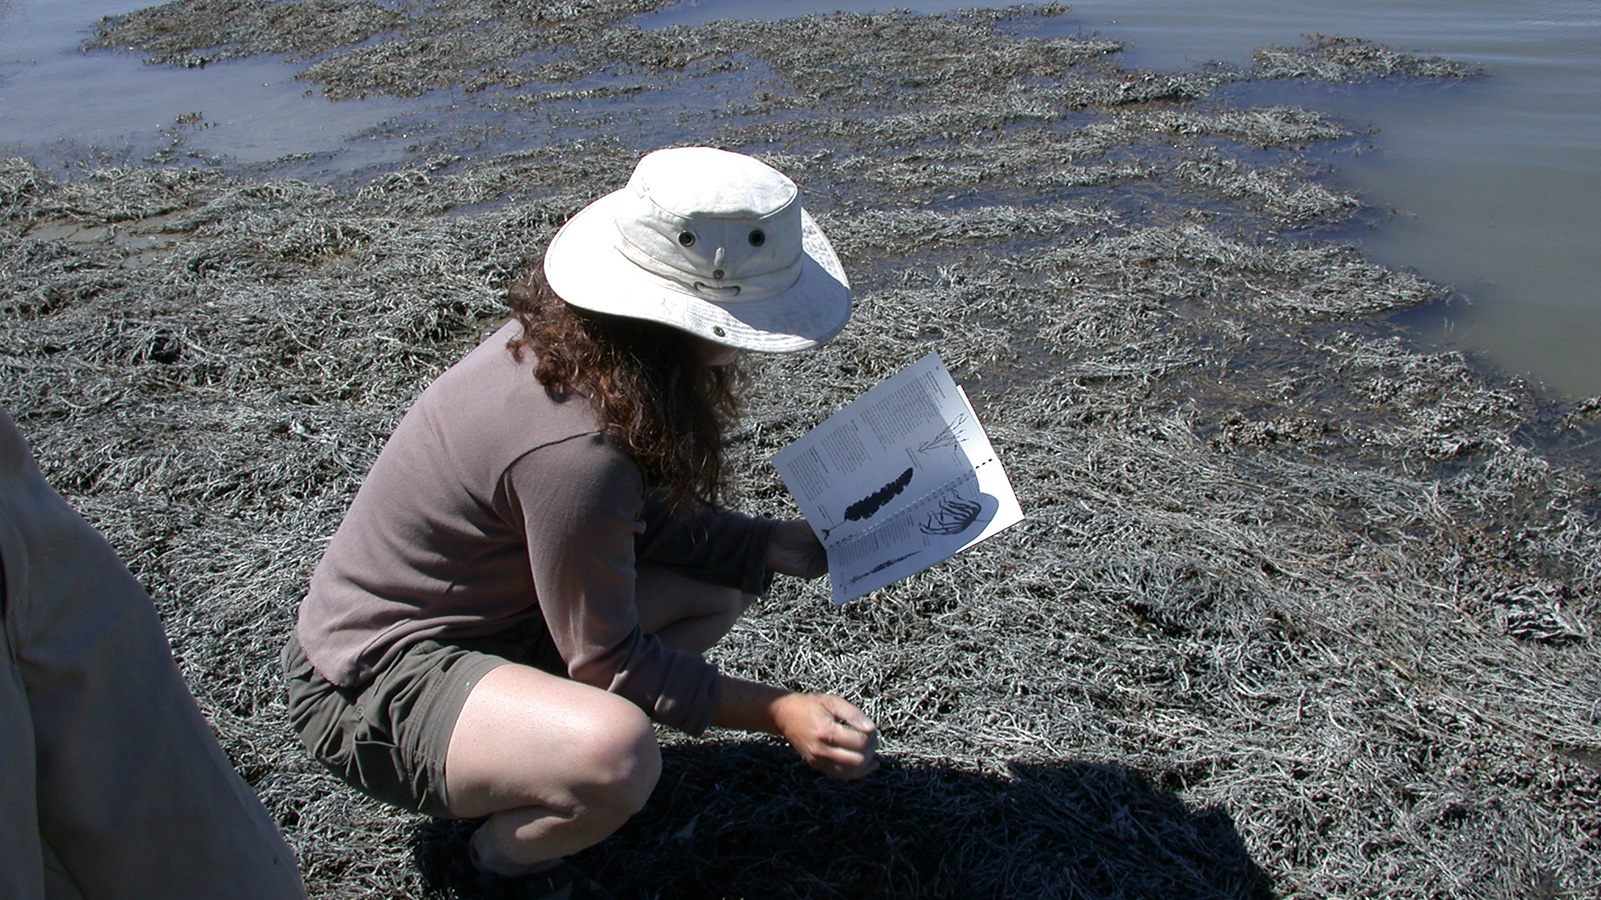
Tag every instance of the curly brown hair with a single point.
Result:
(655, 398)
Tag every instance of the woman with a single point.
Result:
(536, 562)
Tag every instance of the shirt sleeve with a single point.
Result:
(580, 503)
(720, 547)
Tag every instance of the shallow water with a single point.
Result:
(57, 99)
(1494, 184)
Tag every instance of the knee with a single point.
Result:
(727, 605)
(621, 764)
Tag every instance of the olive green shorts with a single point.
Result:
(388, 738)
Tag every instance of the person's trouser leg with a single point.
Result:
(21, 857)
(58, 882)
(134, 795)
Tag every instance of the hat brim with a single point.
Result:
(585, 268)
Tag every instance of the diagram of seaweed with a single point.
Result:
(946, 438)
(864, 508)
(872, 503)
(882, 566)
(954, 515)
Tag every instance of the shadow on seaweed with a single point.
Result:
(743, 818)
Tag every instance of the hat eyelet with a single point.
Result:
(758, 237)
(687, 238)
(718, 330)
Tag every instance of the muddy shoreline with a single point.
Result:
(1299, 610)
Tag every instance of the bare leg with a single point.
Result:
(684, 613)
(555, 765)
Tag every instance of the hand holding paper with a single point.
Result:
(795, 550)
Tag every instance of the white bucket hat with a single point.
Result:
(711, 242)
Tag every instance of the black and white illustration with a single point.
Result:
(900, 479)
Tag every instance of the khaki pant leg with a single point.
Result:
(135, 797)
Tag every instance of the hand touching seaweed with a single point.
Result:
(795, 550)
(830, 733)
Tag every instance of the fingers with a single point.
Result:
(846, 713)
(846, 759)
(850, 759)
(835, 738)
(845, 767)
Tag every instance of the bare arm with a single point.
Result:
(830, 733)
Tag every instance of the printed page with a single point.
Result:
(901, 478)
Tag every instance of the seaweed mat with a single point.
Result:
(1299, 609)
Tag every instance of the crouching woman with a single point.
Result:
(534, 565)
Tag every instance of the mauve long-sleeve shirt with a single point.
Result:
(494, 502)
